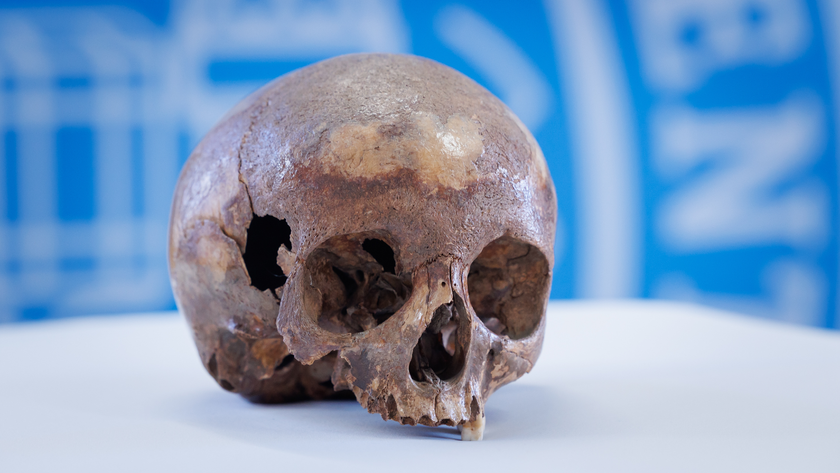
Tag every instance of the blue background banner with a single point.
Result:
(693, 143)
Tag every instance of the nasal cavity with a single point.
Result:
(265, 235)
(440, 353)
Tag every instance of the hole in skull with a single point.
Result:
(265, 235)
(382, 253)
(286, 361)
(507, 285)
(439, 354)
(212, 367)
(352, 283)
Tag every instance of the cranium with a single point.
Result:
(372, 224)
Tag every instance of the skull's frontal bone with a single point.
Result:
(378, 226)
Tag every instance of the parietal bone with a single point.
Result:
(372, 225)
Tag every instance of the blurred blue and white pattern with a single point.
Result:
(693, 143)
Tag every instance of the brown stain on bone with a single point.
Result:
(439, 152)
(267, 351)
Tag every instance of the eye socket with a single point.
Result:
(352, 283)
(507, 284)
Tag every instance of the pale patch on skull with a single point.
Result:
(215, 257)
(285, 259)
(440, 153)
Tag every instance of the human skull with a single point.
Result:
(375, 225)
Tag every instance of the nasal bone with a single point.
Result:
(440, 283)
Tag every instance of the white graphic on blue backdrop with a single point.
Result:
(85, 161)
(100, 107)
(692, 142)
(733, 105)
(608, 210)
(684, 42)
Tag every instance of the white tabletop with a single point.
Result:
(620, 387)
